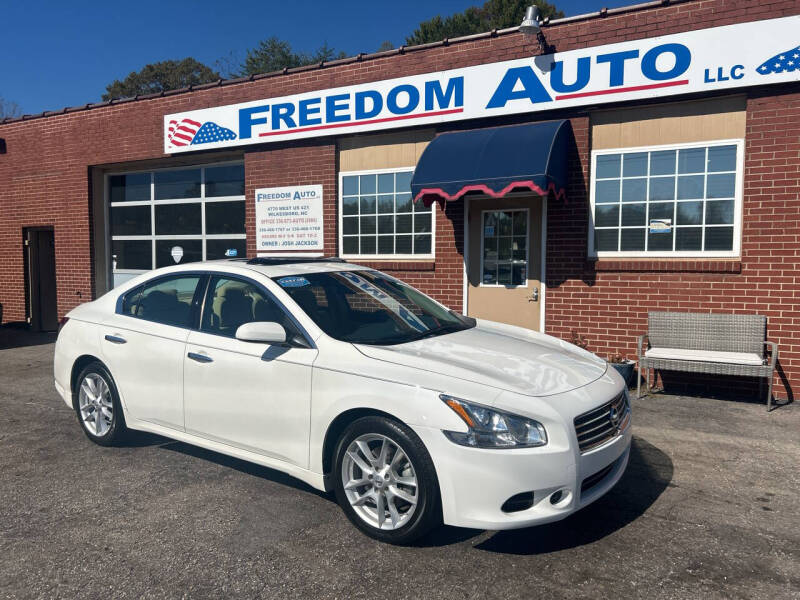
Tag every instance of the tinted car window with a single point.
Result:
(129, 302)
(168, 300)
(234, 302)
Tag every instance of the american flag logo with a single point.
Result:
(189, 132)
(785, 62)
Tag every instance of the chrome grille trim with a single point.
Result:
(595, 427)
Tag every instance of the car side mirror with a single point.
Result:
(265, 332)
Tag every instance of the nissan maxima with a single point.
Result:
(356, 383)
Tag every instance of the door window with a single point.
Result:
(234, 302)
(167, 300)
(505, 247)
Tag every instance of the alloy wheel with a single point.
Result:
(95, 404)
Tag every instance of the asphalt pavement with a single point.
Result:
(708, 508)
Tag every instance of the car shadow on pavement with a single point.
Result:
(648, 474)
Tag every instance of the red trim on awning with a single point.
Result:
(559, 193)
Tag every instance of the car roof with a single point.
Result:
(280, 266)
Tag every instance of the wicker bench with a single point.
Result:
(717, 344)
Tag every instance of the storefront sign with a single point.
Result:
(289, 218)
(696, 61)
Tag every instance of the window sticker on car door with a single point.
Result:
(292, 282)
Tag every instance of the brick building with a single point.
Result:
(678, 188)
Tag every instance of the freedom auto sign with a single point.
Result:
(729, 57)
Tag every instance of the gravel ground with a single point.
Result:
(707, 508)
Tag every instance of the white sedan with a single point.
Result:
(351, 381)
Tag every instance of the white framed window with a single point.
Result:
(378, 218)
(504, 247)
(682, 200)
(199, 210)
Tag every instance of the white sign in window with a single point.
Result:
(289, 218)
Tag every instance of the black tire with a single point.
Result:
(117, 430)
(427, 513)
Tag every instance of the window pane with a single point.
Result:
(422, 244)
(690, 187)
(168, 301)
(504, 220)
(402, 244)
(234, 302)
(606, 239)
(520, 222)
(132, 254)
(662, 162)
(386, 183)
(368, 225)
(519, 248)
(606, 191)
(719, 212)
(659, 241)
(504, 274)
(422, 223)
(632, 239)
(719, 238)
(490, 249)
(368, 244)
(368, 205)
(634, 190)
(489, 273)
(634, 164)
(225, 181)
(130, 220)
(403, 223)
(403, 203)
(177, 184)
(349, 225)
(178, 219)
(419, 206)
(350, 245)
(518, 274)
(216, 249)
(606, 215)
(129, 188)
(722, 158)
(721, 186)
(224, 217)
(608, 165)
(692, 160)
(367, 184)
(504, 248)
(662, 210)
(386, 224)
(385, 244)
(386, 203)
(186, 251)
(350, 185)
(689, 213)
(350, 206)
(662, 188)
(688, 238)
(633, 214)
(402, 181)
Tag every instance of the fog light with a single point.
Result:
(518, 502)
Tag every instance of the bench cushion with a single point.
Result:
(738, 358)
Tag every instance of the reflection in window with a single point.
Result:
(505, 247)
(665, 200)
(379, 217)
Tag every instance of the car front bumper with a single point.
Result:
(475, 483)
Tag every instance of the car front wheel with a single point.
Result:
(385, 481)
(96, 402)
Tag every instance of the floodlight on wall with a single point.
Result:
(531, 26)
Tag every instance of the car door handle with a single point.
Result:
(115, 339)
(201, 358)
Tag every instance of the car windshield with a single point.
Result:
(368, 307)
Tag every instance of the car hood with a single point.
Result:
(501, 356)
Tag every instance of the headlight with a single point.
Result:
(489, 428)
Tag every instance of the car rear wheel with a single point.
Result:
(96, 403)
(385, 481)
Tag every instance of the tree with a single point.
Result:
(274, 54)
(385, 45)
(9, 109)
(161, 77)
(494, 14)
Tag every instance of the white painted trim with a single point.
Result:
(644, 254)
(383, 257)
(543, 270)
(465, 274)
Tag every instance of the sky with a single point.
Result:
(55, 54)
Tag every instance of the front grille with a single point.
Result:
(599, 425)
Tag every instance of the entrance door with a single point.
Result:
(40, 259)
(504, 260)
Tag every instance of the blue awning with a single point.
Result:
(494, 161)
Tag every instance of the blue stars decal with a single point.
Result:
(785, 62)
(211, 132)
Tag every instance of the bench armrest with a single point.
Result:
(773, 353)
(641, 340)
